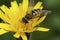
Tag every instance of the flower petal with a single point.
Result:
(33, 22)
(17, 35)
(7, 11)
(21, 12)
(25, 5)
(41, 8)
(14, 9)
(23, 35)
(4, 26)
(4, 17)
(42, 29)
(2, 31)
(40, 20)
(37, 6)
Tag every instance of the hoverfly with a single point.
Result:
(33, 13)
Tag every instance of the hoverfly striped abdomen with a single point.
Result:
(27, 18)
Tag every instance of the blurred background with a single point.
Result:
(52, 21)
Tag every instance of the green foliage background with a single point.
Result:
(52, 21)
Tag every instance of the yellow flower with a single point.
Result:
(12, 18)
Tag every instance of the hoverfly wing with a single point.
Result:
(42, 13)
(31, 3)
(30, 6)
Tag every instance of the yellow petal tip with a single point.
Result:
(42, 29)
(16, 35)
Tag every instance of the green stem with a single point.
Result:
(30, 38)
(28, 35)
